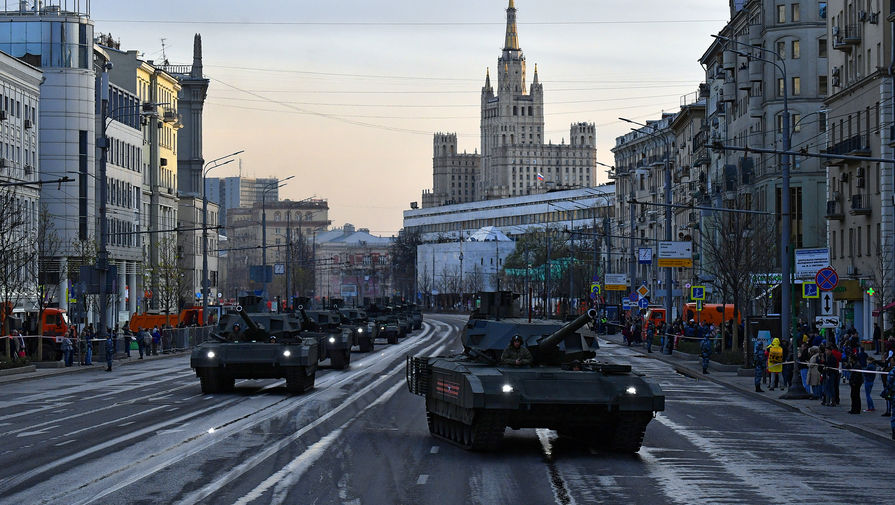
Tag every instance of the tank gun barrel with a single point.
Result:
(245, 317)
(559, 335)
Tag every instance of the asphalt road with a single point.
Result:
(146, 434)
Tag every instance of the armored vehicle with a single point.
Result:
(333, 340)
(472, 397)
(259, 346)
(362, 332)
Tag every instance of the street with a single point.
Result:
(146, 434)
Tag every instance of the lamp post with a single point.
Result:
(668, 235)
(268, 188)
(211, 165)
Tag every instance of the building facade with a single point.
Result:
(515, 158)
(66, 117)
(859, 197)
(352, 264)
(19, 205)
(240, 193)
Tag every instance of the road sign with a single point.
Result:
(279, 269)
(810, 290)
(634, 297)
(645, 256)
(826, 304)
(642, 291)
(827, 321)
(698, 305)
(616, 282)
(626, 304)
(676, 254)
(827, 279)
(643, 303)
(595, 288)
(697, 293)
(810, 261)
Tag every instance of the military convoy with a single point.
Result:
(472, 397)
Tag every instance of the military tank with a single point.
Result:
(471, 398)
(270, 346)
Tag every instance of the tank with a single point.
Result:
(471, 398)
(265, 346)
(333, 341)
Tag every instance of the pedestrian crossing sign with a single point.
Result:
(697, 293)
(810, 290)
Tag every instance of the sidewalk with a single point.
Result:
(868, 424)
(98, 365)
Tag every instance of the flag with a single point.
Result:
(540, 177)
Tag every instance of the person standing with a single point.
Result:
(814, 376)
(890, 390)
(869, 379)
(758, 356)
(886, 366)
(110, 351)
(831, 377)
(855, 381)
(775, 363)
(787, 368)
(705, 350)
(650, 333)
(67, 349)
(804, 356)
(156, 340)
(140, 341)
(88, 344)
(877, 338)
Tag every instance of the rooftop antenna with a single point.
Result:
(164, 53)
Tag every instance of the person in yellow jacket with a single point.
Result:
(775, 363)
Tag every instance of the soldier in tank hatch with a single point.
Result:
(516, 354)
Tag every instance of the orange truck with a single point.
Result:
(711, 313)
(189, 317)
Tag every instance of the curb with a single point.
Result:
(18, 370)
(26, 376)
(695, 374)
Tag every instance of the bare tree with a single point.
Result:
(424, 281)
(475, 280)
(47, 270)
(18, 255)
(735, 245)
(169, 276)
(883, 273)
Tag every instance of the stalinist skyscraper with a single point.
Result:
(515, 159)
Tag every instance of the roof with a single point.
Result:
(489, 234)
(350, 238)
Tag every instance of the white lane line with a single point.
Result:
(64, 443)
(122, 425)
(172, 410)
(691, 417)
(434, 449)
(36, 432)
(208, 398)
(421, 481)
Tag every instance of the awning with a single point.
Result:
(887, 307)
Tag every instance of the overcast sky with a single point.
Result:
(346, 94)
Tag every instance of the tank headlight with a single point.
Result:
(507, 388)
(287, 353)
(631, 390)
(332, 340)
(210, 354)
(360, 330)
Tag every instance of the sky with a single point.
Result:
(346, 94)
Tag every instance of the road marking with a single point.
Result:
(434, 449)
(37, 432)
(208, 398)
(64, 443)
(422, 480)
(691, 417)
(172, 410)
(122, 425)
(165, 432)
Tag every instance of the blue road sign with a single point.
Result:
(626, 304)
(827, 279)
(643, 303)
(697, 292)
(810, 290)
(634, 297)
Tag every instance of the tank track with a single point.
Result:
(485, 433)
(298, 381)
(628, 434)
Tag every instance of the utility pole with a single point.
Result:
(289, 258)
(102, 255)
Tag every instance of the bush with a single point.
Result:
(5, 364)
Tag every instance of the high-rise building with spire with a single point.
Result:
(515, 159)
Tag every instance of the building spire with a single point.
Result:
(197, 56)
(512, 40)
(536, 74)
(487, 78)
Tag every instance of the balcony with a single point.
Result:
(729, 92)
(858, 145)
(755, 33)
(756, 71)
(847, 36)
(860, 205)
(756, 108)
(834, 211)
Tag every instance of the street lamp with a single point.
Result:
(668, 236)
(267, 189)
(211, 165)
(796, 390)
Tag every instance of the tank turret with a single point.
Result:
(553, 340)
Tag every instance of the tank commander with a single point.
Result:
(236, 333)
(516, 354)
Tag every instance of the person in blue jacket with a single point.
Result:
(110, 352)
(705, 350)
(758, 356)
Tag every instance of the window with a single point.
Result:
(781, 13)
(796, 52)
(780, 87)
(822, 121)
(822, 9)
(822, 85)
(781, 49)
(797, 127)
(821, 48)
(796, 15)
(796, 86)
